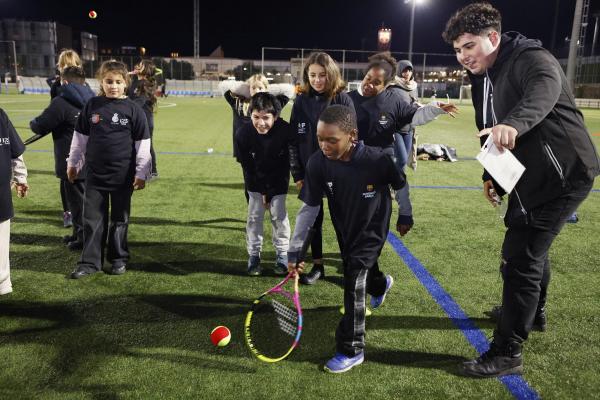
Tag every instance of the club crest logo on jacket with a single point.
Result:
(383, 120)
(370, 193)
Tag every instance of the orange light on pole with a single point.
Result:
(384, 39)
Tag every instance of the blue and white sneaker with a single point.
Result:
(573, 219)
(377, 301)
(342, 363)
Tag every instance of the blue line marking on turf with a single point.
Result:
(515, 383)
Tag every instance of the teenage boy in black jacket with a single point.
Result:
(532, 113)
(355, 178)
(262, 149)
(60, 118)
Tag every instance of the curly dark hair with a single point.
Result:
(342, 116)
(476, 18)
(387, 62)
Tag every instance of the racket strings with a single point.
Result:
(287, 318)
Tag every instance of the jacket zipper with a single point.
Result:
(554, 161)
(521, 205)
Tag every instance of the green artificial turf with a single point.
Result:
(145, 335)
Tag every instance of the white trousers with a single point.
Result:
(5, 285)
(279, 222)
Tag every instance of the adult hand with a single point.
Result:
(488, 192)
(299, 184)
(504, 137)
(265, 202)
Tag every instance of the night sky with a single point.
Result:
(242, 27)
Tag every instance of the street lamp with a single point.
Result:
(412, 25)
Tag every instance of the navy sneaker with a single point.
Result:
(342, 363)
(254, 266)
(377, 301)
(573, 219)
(281, 267)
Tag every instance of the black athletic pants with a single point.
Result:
(74, 193)
(358, 282)
(96, 230)
(524, 256)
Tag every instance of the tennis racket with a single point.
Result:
(274, 323)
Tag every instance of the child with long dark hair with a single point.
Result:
(111, 137)
(322, 86)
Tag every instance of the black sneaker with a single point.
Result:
(118, 269)
(539, 322)
(497, 361)
(317, 272)
(75, 245)
(68, 238)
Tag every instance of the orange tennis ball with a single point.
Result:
(220, 336)
(93, 14)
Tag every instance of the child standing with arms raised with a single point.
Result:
(263, 152)
(111, 137)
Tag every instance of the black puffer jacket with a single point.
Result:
(532, 95)
(305, 116)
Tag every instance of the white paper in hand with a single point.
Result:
(503, 167)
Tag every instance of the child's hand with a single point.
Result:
(296, 268)
(21, 189)
(299, 184)
(138, 184)
(72, 174)
(265, 202)
(450, 109)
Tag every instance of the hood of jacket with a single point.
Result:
(76, 94)
(402, 65)
(403, 83)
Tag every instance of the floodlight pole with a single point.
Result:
(571, 61)
(596, 16)
(412, 26)
(262, 61)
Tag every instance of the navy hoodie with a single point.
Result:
(60, 118)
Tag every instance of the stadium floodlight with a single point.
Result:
(412, 24)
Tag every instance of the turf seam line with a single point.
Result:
(518, 386)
